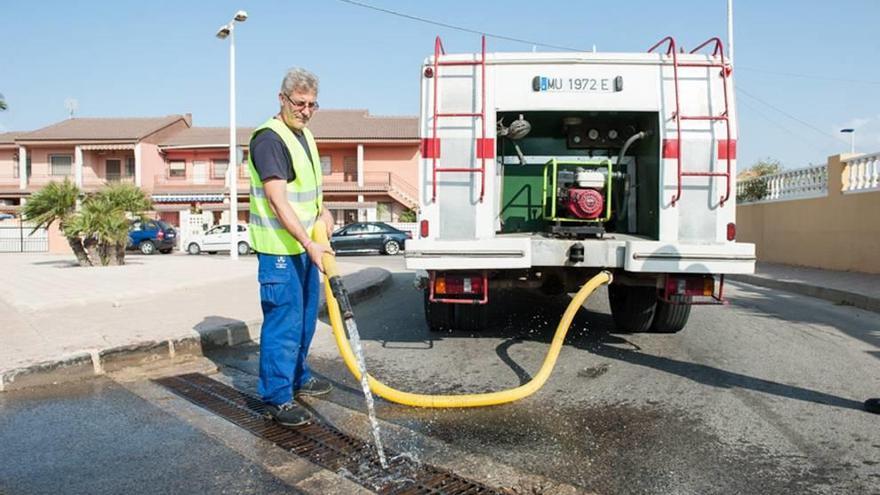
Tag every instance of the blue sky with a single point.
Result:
(804, 69)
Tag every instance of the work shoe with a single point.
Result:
(873, 405)
(289, 414)
(314, 386)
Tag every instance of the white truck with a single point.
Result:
(538, 170)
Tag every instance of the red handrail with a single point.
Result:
(725, 72)
(677, 114)
(439, 50)
(725, 116)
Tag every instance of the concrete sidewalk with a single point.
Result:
(861, 290)
(59, 323)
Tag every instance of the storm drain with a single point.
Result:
(322, 444)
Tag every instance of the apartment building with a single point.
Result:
(369, 162)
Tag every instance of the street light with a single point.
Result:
(852, 139)
(228, 30)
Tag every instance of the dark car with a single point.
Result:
(369, 236)
(150, 236)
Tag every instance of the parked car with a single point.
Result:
(150, 236)
(6, 216)
(217, 239)
(369, 236)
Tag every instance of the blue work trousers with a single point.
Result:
(289, 292)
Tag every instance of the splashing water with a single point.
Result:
(355, 339)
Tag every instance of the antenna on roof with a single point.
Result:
(72, 105)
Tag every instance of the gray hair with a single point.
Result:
(298, 78)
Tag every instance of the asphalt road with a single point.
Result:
(761, 396)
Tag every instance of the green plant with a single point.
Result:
(3, 105)
(98, 232)
(755, 189)
(57, 203)
(408, 216)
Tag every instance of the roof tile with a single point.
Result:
(83, 129)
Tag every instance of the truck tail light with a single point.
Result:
(423, 228)
(690, 286)
(458, 284)
(731, 231)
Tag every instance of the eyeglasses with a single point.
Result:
(301, 105)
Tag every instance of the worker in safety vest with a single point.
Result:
(285, 203)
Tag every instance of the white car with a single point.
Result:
(217, 239)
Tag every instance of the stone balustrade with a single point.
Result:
(800, 183)
(861, 173)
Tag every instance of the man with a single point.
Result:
(285, 203)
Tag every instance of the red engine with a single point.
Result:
(584, 203)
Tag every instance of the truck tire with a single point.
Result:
(670, 318)
(471, 317)
(439, 316)
(632, 307)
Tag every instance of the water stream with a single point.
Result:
(355, 339)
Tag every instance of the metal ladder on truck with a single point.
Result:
(485, 147)
(727, 148)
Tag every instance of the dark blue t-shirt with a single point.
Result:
(271, 158)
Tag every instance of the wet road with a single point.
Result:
(98, 437)
(761, 396)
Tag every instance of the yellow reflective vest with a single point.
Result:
(268, 235)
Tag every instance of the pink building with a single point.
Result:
(369, 163)
(91, 152)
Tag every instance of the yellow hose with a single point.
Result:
(465, 400)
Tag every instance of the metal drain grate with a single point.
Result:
(322, 444)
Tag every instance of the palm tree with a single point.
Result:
(57, 203)
(2, 102)
(132, 202)
(103, 221)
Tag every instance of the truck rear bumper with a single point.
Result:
(629, 254)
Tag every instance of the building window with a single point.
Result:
(177, 170)
(244, 169)
(60, 165)
(326, 165)
(129, 166)
(218, 171)
(383, 212)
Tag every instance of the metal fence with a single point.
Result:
(22, 238)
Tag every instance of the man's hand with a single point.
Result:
(316, 252)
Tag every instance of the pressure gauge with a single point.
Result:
(576, 139)
(593, 134)
(612, 134)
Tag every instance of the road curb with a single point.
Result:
(89, 363)
(835, 296)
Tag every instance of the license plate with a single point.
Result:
(544, 84)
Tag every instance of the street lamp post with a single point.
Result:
(228, 30)
(852, 138)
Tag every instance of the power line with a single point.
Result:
(784, 128)
(808, 76)
(458, 28)
(792, 117)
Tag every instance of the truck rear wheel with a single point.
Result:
(632, 307)
(439, 316)
(669, 317)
